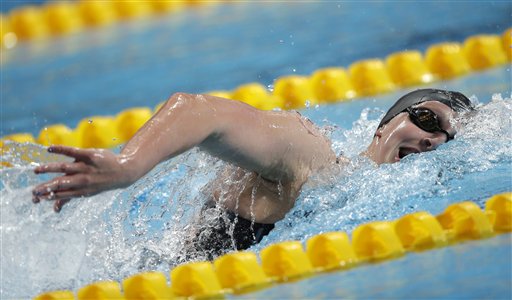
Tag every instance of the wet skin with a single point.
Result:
(273, 153)
(401, 137)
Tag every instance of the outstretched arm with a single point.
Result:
(280, 146)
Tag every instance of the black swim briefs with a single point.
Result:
(224, 231)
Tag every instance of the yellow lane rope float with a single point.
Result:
(327, 85)
(57, 18)
(241, 272)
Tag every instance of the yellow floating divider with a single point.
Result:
(447, 60)
(331, 250)
(56, 295)
(104, 290)
(295, 91)
(132, 9)
(484, 51)
(67, 17)
(221, 94)
(285, 261)
(376, 241)
(130, 120)
(501, 207)
(97, 13)
(28, 23)
(370, 77)
(239, 271)
(465, 220)
(256, 95)
(58, 134)
(507, 43)
(98, 132)
(195, 280)
(331, 85)
(164, 6)
(419, 231)
(62, 17)
(408, 68)
(147, 285)
(20, 138)
(326, 85)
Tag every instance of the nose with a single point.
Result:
(432, 142)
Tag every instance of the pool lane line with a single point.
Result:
(241, 272)
(59, 18)
(365, 78)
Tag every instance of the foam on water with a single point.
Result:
(118, 233)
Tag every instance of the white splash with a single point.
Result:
(116, 234)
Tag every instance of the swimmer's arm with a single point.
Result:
(277, 145)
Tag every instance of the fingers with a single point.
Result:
(57, 185)
(60, 195)
(63, 167)
(57, 205)
(77, 153)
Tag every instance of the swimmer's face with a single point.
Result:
(401, 137)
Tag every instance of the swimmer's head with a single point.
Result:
(455, 100)
(419, 121)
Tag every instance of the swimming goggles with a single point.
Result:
(426, 120)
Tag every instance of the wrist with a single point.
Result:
(128, 170)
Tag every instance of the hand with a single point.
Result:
(93, 171)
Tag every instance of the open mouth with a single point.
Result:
(404, 151)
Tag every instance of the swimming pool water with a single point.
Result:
(465, 271)
(116, 234)
(220, 47)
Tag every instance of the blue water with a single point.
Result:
(8, 5)
(465, 271)
(119, 233)
(219, 47)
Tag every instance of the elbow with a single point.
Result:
(180, 95)
(179, 98)
(195, 102)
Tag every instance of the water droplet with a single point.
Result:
(89, 121)
(294, 70)
(270, 87)
(307, 103)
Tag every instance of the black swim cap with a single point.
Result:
(455, 100)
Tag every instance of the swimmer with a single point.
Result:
(270, 155)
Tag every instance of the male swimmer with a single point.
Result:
(271, 154)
